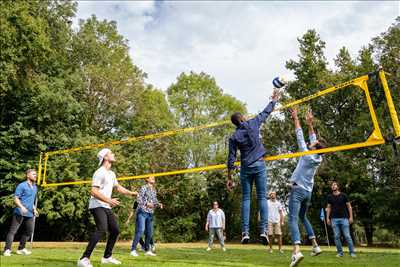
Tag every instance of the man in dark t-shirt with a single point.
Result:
(340, 216)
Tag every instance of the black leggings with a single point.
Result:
(105, 222)
(16, 222)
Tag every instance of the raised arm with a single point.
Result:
(263, 115)
(299, 132)
(311, 132)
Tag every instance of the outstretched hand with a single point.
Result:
(309, 117)
(293, 112)
(276, 95)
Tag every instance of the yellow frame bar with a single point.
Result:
(376, 138)
(392, 109)
(39, 169)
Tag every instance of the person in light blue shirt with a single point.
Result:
(302, 182)
(215, 225)
(24, 199)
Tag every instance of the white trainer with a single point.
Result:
(134, 253)
(208, 249)
(7, 253)
(85, 262)
(296, 259)
(149, 253)
(223, 249)
(23, 252)
(110, 260)
(316, 251)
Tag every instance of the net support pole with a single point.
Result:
(392, 109)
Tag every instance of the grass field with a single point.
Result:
(194, 254)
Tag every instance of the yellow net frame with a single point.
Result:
(375, 138)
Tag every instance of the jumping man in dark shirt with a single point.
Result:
(247, 139)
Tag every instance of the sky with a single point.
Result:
(243, 45)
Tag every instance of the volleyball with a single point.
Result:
(279, 82)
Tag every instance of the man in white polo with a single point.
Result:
(275, 220)
(100, 204)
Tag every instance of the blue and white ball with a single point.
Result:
(279, 82)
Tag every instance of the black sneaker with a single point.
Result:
(264, 239)
(245, 238)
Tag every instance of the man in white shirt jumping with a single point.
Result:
(100, 204)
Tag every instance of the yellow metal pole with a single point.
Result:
(46, 157)
(392, 109)
(39, 169)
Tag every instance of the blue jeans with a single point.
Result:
(342, 225)
(299, 200)
(255, 172)
(144, 224)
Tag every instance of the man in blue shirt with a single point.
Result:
(24, 199)
(302, 182)
(247, 139)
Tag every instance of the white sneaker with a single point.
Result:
(85, 262)
(208, 249)
(264, 239)
(296, 259)
(7, 253)
(149, 253)
(353, 255)
(281, 251)
(316, 251)
(134, 253)
(23, 252)
(110, 260)
(245, 238)
(223, 249)
(270, 250)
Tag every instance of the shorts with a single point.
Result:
(274, 228)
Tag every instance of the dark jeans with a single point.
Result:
(16, 222)
(254, 173)
(144, 224)
(105, 222)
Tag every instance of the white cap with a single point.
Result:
(102, 153)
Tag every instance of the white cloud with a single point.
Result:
(244, 45)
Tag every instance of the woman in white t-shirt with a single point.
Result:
(215, 225)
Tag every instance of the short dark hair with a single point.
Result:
(236, 118)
